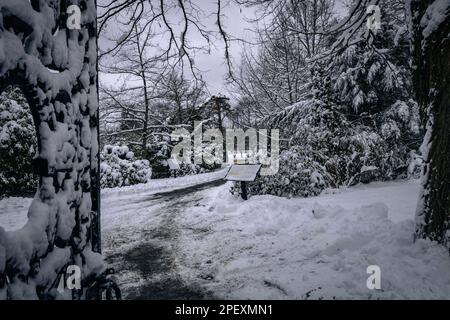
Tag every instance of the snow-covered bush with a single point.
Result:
(161, 151)
(17, 145)
(299, 175)
(187, 169)
(119, 167)
(328, 150)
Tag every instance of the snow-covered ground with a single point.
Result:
(189, 237)
(316, 248)
(14, 210)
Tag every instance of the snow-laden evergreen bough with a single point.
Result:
(56, 68)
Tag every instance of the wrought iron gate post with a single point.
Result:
(56, 68)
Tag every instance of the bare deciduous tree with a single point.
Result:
(278, 75)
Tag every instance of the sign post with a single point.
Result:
(243, 173)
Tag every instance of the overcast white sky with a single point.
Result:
(236, 22)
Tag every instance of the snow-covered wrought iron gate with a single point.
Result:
(55, 65)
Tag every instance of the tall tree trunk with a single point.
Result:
(180, 114)
(146, 114)
(146, 97)
(431, 46)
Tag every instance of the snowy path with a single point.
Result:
(143, 245)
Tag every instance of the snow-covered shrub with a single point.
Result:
(328, 150)
(17, 145)
(187, 169)
(119, 167)
(159, 151)
(299, 175)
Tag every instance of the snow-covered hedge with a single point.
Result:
(17, 145)
(119, 167)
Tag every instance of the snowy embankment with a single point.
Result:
(158, 185)
(316, 248)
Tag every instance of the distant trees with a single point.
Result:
(181, 96)
(142, 115)
(127, 108)
(216, 112)
(277, 74)
(154, 95)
